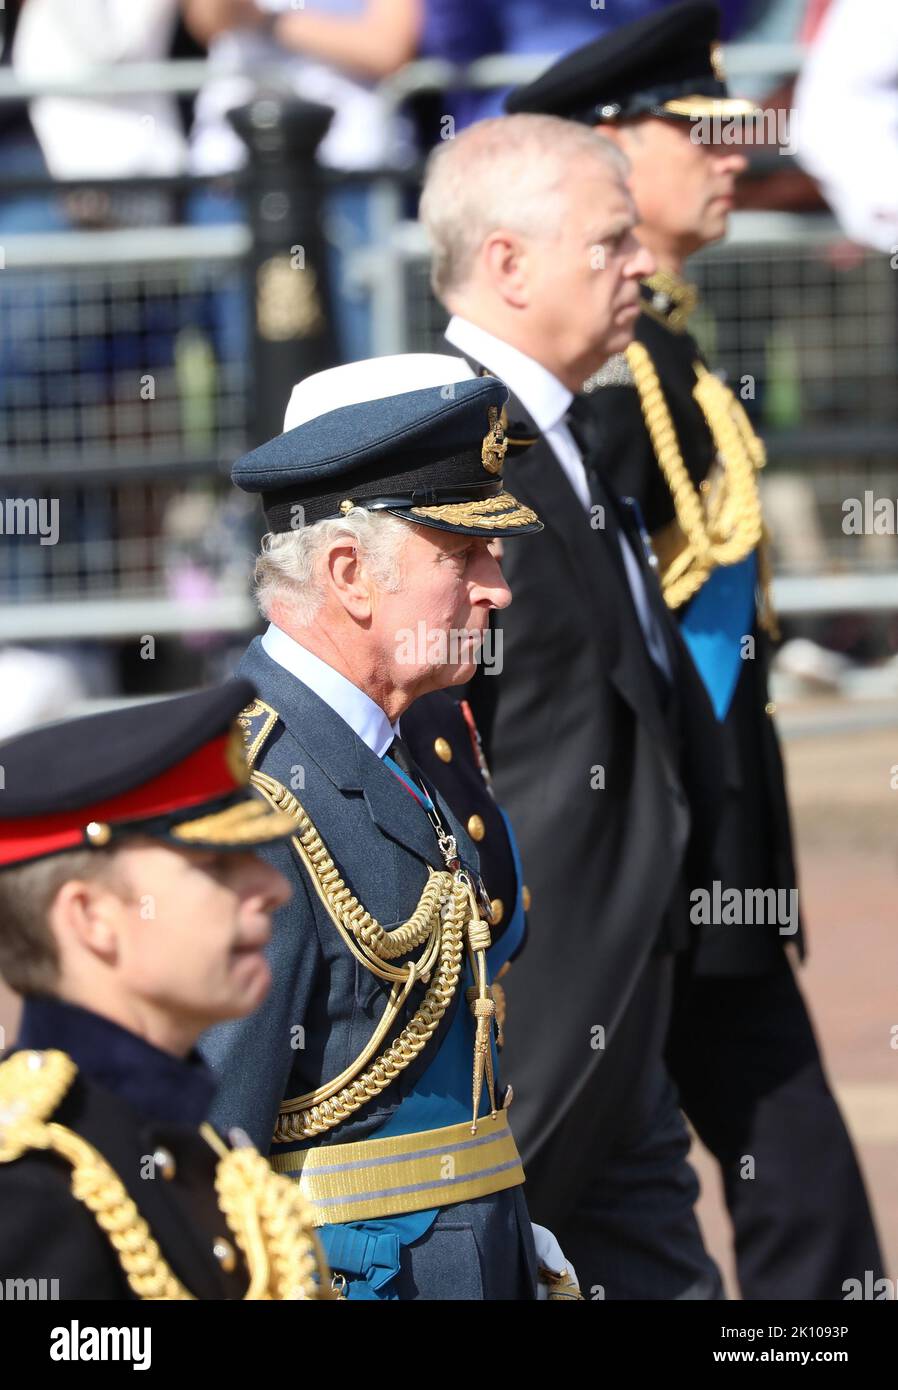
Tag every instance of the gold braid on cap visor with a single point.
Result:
(492, 513)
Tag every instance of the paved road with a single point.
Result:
(846, 820)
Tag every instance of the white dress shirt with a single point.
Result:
(546, 398)
(358, 710)
(548, 401)
(364, 132)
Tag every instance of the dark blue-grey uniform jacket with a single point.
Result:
(324, 1006)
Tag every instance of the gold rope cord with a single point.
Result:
(439, 921)
(273, 1224)
(732, 527)
(265, 1212)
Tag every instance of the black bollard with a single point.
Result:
(291, 324)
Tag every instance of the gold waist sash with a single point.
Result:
(408, 1172)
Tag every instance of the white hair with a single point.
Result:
(502, 172)
(287, 570)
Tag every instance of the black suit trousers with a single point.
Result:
(745, 1059)
(631, 1232)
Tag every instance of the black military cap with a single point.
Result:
(413, 435)
(173, 769)
(666, 64)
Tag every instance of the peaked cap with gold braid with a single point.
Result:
(412, 435)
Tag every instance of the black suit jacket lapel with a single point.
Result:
(595, 555)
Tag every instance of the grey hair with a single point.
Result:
(287, 565)
(502, 172)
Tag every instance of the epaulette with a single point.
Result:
(32, 1084)
(669, 300)
(266, 1214)
(257, 722)
(615, 372)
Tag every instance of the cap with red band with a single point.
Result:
(173, 769)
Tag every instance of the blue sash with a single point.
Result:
(371, 1250)
(718, 618)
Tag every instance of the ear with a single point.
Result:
(349, 580)
(84, 916)
(620, 135)
(507, 267)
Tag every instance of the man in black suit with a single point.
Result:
(742, 1049)
(585, 729)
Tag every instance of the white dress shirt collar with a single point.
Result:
(359, 711)
(545, 397)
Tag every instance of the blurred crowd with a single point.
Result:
(339, 53)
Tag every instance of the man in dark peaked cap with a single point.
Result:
(668, 433)
(371, 1075)
(133, 914)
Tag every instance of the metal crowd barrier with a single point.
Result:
(127, 390)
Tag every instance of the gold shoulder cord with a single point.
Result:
(446, 915)
(730, 526)
(265, 1212)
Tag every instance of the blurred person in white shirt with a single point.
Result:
(330, 51)
(102, 137)
(846, 118)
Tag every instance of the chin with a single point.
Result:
(457, 675)
(251, 985)
(716, 230)
(619, 340)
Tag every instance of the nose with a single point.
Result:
(265, 885)
(278, 889)
(731, 161)
(491, 587)
(641, 264)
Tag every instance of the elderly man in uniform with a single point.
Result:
(592, 755)
(672, 436)
(371, 1072)
(133, 914)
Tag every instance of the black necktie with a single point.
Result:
(585, 430)
(587, 435)
(402, 758)
(400, 755)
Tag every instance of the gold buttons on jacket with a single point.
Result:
(164, 1163)
(497, 910)
(526, 898)
(225, 1254)
(770, 709)
(442, 750)
(476, 828)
